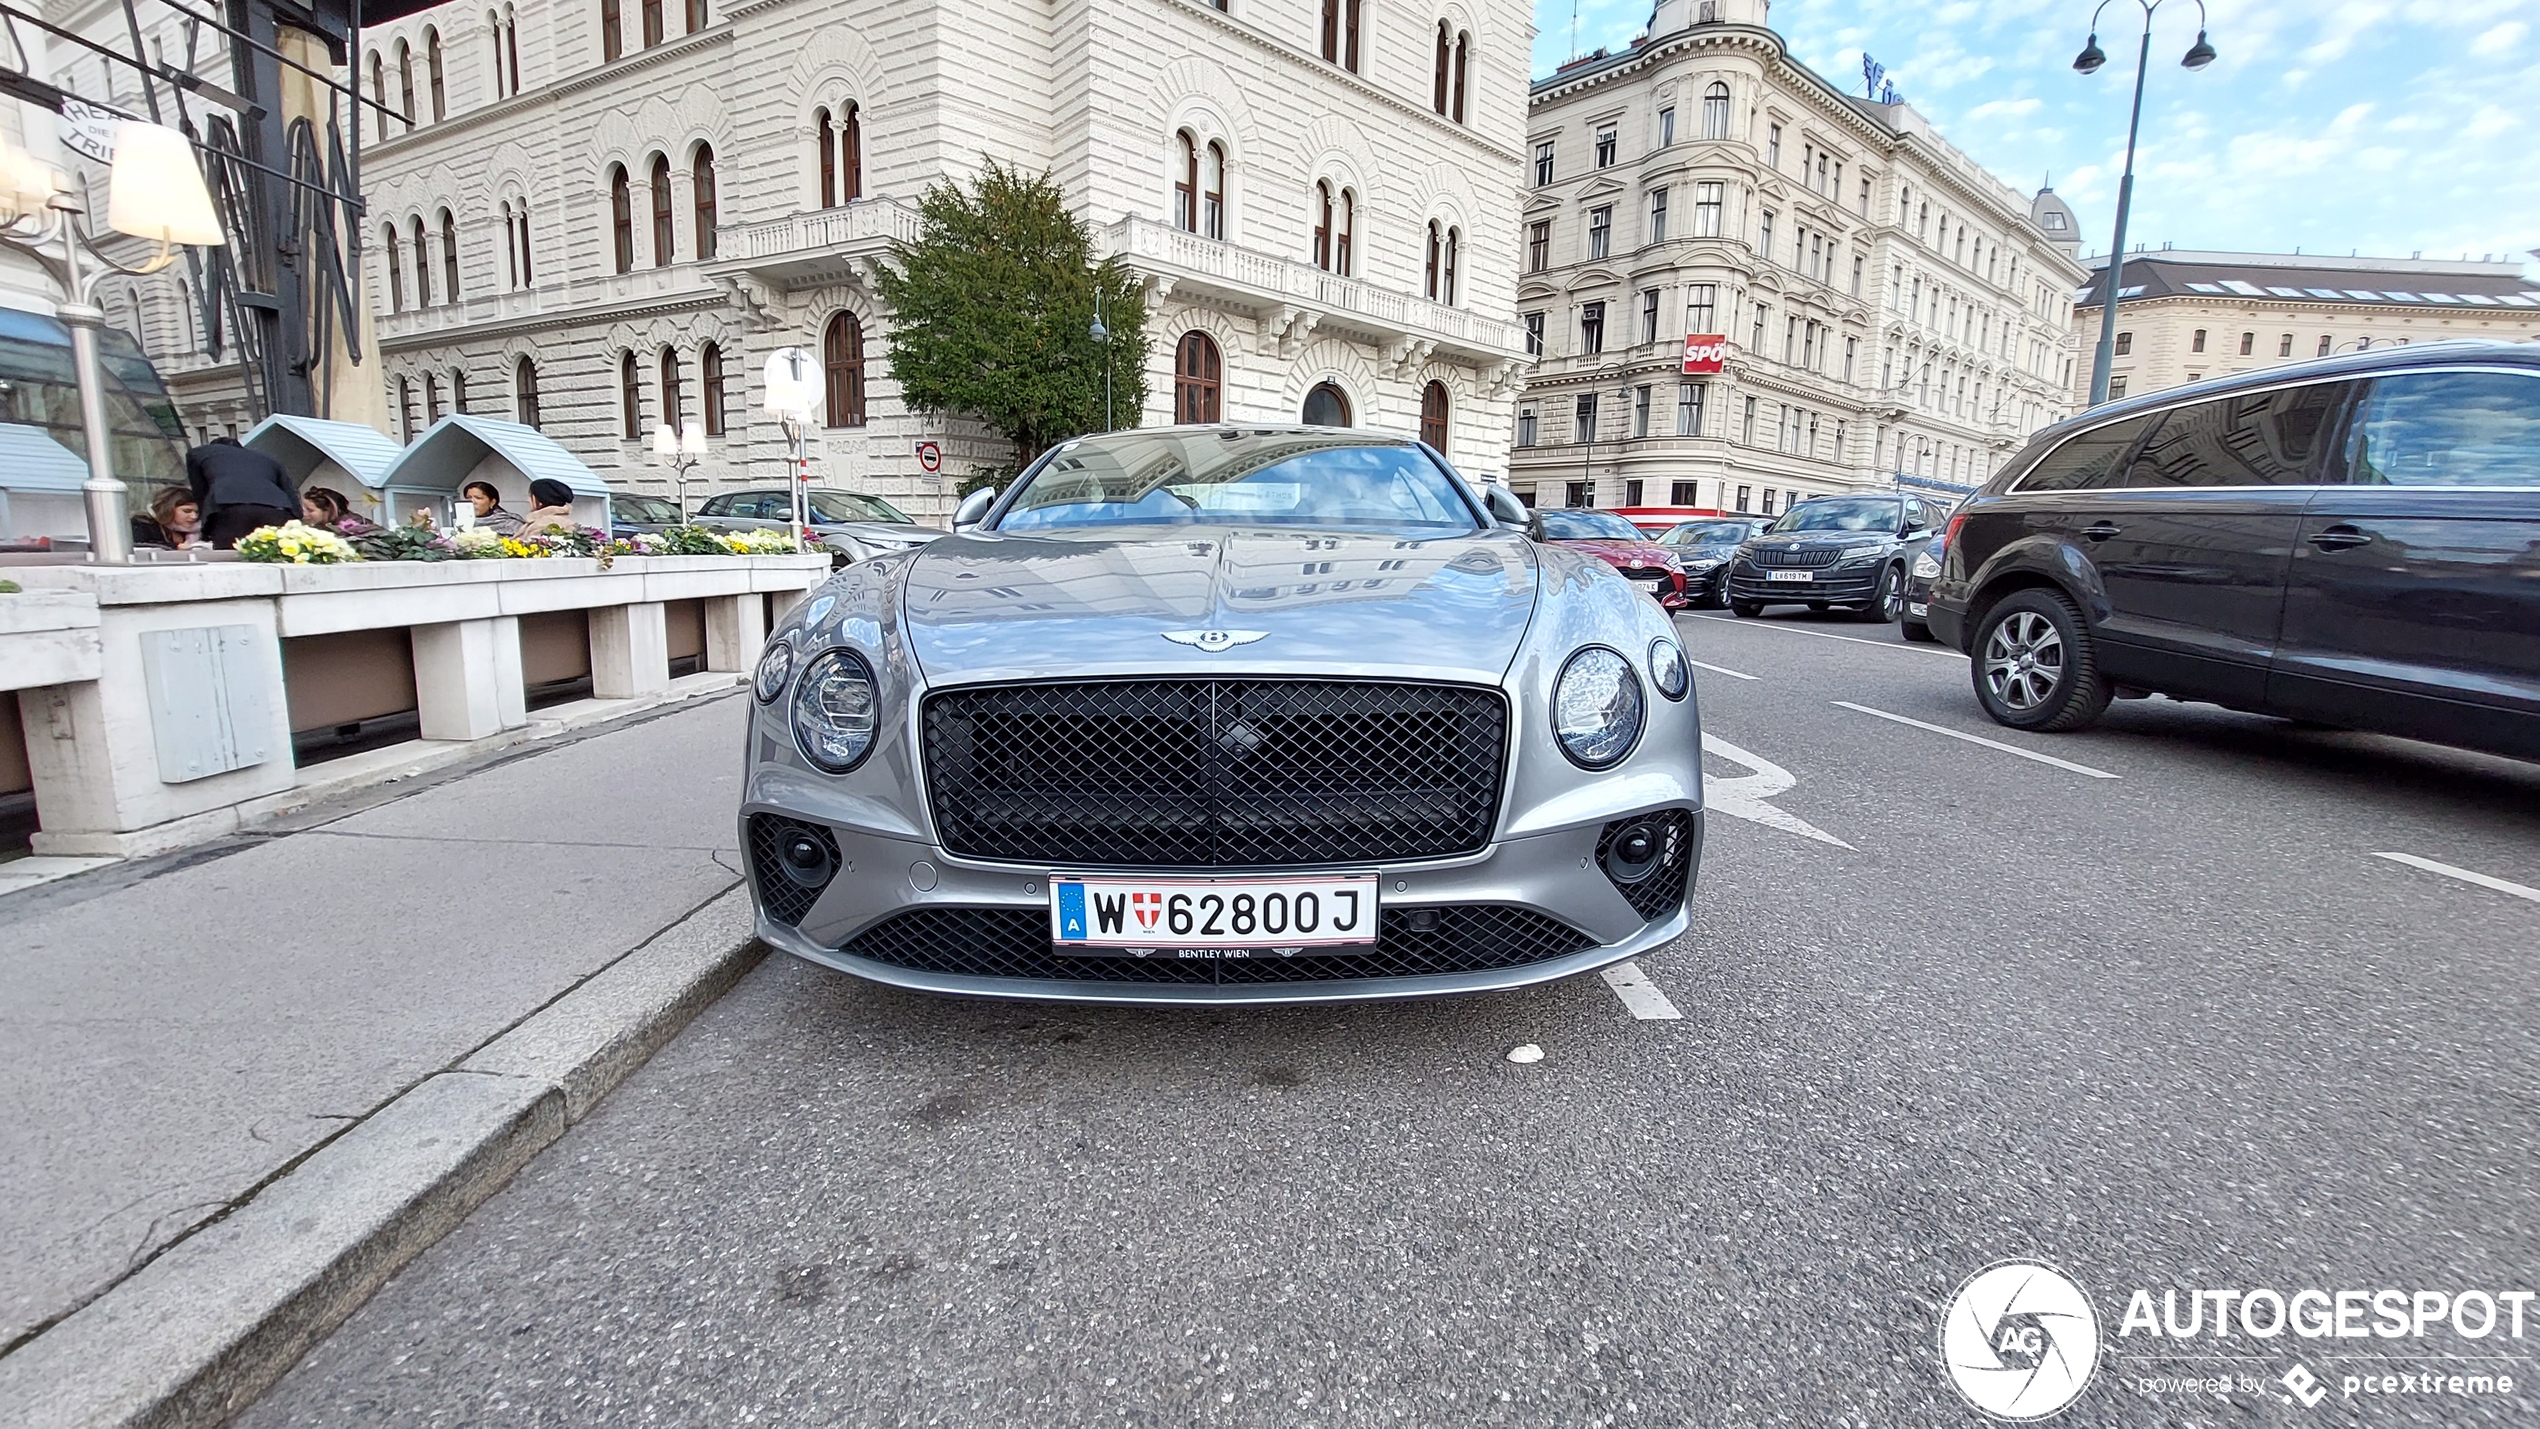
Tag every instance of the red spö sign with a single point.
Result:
(1706, 352)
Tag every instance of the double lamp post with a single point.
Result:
(2089, 61)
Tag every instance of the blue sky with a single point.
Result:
(2389, 126)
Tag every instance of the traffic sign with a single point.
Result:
(930, 456)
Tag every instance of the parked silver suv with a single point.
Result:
(849, 525)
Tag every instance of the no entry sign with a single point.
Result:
(930, 456)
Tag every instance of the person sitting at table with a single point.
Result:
(325, 506)
(489, 508)
(550, 507)
(173, 521)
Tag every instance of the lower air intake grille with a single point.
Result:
(1662, 890)
(787, 892)
(1015, 943)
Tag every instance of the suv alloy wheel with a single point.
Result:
(2034, 666)
(1888, 601)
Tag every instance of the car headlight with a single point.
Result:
(1701, 564)
(774, 664)
(1853, 555)
(835, 711)
(1667, 668)
(1925, 568)
(1597, 708)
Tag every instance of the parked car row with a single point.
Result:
(849, 525)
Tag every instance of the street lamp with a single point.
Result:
(680, 451)
(153, 191)
(2088, 61)
(1102, 334)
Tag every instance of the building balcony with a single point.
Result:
(815, 248)
(1301, 300)
(680, 285)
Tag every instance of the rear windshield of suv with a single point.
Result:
(2085, 460)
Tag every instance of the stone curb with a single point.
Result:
(199, 1333)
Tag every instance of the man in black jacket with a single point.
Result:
(238, 490)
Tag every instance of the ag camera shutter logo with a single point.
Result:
(2020, 1340)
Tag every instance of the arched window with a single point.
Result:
(842, 363)
(1186, 182)
(701, 182)
(665, 235)
(1197, 373)
(449, 257)
(622, 218)
(379, 96)
(431, 398)
(1340, 33)
(458, 392)
(1212, 191)
(494, 34)
(405, 409)
(695, 15)
(652, 23)
(1342, 242)
(1446, 62)
(528, 273)
(851, 153)
(1437, 260)
(612, 31)
(423, 266)
(525, 392)
(1715, 111)
(1322, 225)
(710, 387)
(1454, 245)
(1326, 406)
(511, 47)
(395, 254)
(1433, 415)
(673, 409)
(828, 142)
(432, 73)
(1463, 63)
(406, 83)
(630, 398)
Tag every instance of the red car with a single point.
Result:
(1619, 544)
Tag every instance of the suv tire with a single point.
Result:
(1887, 602)
(1746, 609)
(2035, 666)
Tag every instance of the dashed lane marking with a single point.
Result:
(2448, 871)
(1718, 669)
(1640, 996)
(1744, 798)
(1829, 635)
(1980, 739)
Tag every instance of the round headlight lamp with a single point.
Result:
(836, 711)
(1667, 668)
(1597, 708)
(774, 664)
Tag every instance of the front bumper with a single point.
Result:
(860, 924)
(1664, 586)
(1829, 585)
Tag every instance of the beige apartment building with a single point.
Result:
(1889, 308)
(2183, 316)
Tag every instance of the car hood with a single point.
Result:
(1819, 540)
(885, 533)
(985, 606)
(1643, 553)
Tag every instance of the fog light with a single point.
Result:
(1636, 851)
(806, 860)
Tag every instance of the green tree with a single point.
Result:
(993, 311)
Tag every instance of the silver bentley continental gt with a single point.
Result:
(1224, 714)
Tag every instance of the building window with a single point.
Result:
(665, 237)
(2116, 388)
(842, 364)
(1715, 111)
(1526, 426)
(449, 257)
(1212, 192)
(695, 15)
(1534, 334)
(841, 142)
(528, 276)
(406, 84)
(673, 403)
(1605, 146)
(2324, 344)
(1539, 246)
(1323, 213)
(1707, 204)
(1640, 421)
(1543, 163)
(1574, 494)
(1454, 53)
(1851, 352)
(652, 23)
(395, 254)
(1197, 379)
(1768, 501)
(431, 398)
(1649, 315)
(423, 265)
(710, 393)
(1454, 256)
(1326, 406)
(622, 218)
(1746, 434)
(2248, 343)
(1690, 397)
(525, 392)
(2196, 341)
(2125, 344)
(701, 180)
(630, 398)
(1857, 264)
(1592, 327)
(1583, 418)
(405, 410)
(1186, 183)
(1600, 231)
(1773, 148)
(1746, 494)
(1658, 215)
(1433, 415)
(458, 392)
(1437, 258)
(1755, 339)
(1666, 126)
(1764, 237)
(2285, 348)
(1702, 307)
(432, 73)
(1340, 33)
(1341, 241)
(612, 33)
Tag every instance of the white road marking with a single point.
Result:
(1639, 994)
(2448, 871)
(1718, 669)
(1744, 798)
(1830, 635)
(1980, 739)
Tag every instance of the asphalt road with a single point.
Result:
(1942, 1006)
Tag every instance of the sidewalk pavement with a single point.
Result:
(183, 1031)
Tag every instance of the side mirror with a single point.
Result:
(974, 508)
(1506, 509)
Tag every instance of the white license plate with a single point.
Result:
(1212, 917)
(1790, 575)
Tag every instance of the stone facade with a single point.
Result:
(1889, 306)
(531, 108)
(2183, 316)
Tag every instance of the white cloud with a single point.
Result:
(2004, 109)
(2490, 121)
(2504, 39)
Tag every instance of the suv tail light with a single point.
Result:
(1955, 521)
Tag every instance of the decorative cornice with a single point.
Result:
(529, 100)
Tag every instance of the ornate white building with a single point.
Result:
(1889, 307)
(607, 213)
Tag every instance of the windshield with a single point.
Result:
(1232, 477)
(643, 508)
(1842, 513)
(1588, 526)
(1708, 533)
(836, 506)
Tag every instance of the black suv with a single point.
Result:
(2352, 542)
(1833, 550)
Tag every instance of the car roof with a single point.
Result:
(2377, 360)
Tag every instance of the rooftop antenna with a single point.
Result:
(1574, 29)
